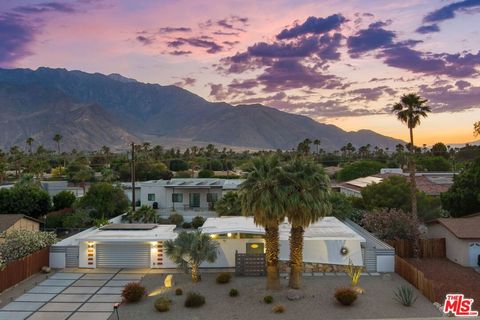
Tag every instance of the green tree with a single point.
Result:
(77, 219)
(410, 110)
(206, 173)
(476, 128)
(229, 205)
(57, 138)
(342, 207)
(63, 199)
(357, 169)
(463, 197)
(262, 197)
(440, 149)
(29, 143)
(308, 191)
(190, 249)
(104, 201)
(429, 163)
(146, 214)
(178, 165)
(28, 199)
(391, 224)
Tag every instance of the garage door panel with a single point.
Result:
(118, 255)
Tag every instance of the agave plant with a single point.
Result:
(405, 295)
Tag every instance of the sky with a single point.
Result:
(337, 61)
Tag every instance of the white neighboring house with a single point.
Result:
(55, 187)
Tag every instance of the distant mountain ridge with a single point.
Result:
(111, 109)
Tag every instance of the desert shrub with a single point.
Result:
(162, 304)
(268, 299)
(279, 308)
(186, 225)
(233, 292)
(194, 300)
(133, 292)
(198, 221)
(178, 291)
(206, 173)
(405, 295)
(20, 243)
(176, 219)
(346, 296)
(223, 277)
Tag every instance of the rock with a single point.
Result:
(294, 295)
(168, 281)
(46, 269)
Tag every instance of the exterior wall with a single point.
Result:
(57, 260)
(226, 252)
(163, 196)
(25, 224)
(385, 263)
(457, 249)
(350, 193)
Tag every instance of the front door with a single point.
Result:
(194, 201)
(255, 248)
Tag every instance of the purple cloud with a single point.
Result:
(144, 40)
(447, 99)
(428, 29)
(449, 11)
(179, 52)
(199, 42)
(371, 94)
(462, 84)
(374, 37)
(313, 25)
(16, 34)
(187, 81)
(46, 7)
(174, 29)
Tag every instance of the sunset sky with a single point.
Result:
(336, 61)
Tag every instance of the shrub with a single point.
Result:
(346, 296)
(63, 199)
(233, 292)
(133, 292)
(405, 295)
(186, 225)
(268, 299)
(162, 304)
(223, 277)
(279, 308)
(198, 221)
(178, 291)
(176, 219)
(77, 219)
(55, 218)
(194, 300)
(206, 173)
(20, 243)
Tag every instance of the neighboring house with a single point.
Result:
(186, 195)
(127, 189)
(462, 238)
(55, 187)
(9, 222)
(432, 183)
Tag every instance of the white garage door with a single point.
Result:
(123, 255)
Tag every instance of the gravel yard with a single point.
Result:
(376, 303)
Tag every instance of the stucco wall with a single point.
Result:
(226, 252)
(163, 196)
(456, 249)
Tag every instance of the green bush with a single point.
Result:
(405, 295)
(77, 219)
(357, 169)
(133, 292)
(229, 205)
(176, 219)
(162, 304)
(104, 201)
(233, 292)
(55, 219)
(198, 221)
(178, 291)
(20, 243)
(186, 225)
(206, 173)
(223, 277)
(279, 308)
(194, 300)
(268, 299)
(346, 296)
(63, 199)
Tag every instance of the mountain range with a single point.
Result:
(91, 110)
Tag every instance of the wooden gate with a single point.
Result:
(250, 264)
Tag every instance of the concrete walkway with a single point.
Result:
(72, 295)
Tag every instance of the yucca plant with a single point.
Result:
(405, 295)
(354, 273)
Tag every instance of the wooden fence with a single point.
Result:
(429, 248)
(250, 264)
(20, 269)
(416, 277)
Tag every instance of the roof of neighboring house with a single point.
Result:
(8, 220)
(129, 234)
(463, 228)
(196, 183)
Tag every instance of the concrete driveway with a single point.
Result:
(72, 295)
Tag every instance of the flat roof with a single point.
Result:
(196, 183)
(160, 232)
(129, 226)
(223, 225)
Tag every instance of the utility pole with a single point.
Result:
(133, 177)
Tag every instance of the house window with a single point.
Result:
(177, 197)
(151, 197)
(212, 197)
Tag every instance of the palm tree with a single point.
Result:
(190, 249)
(29, 143)
(410, 110)
(146, 214)
(308, 201)
(317, 143)
(476, 128)
(262, 197)
(57, 138)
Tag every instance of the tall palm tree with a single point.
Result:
(146, 214)
(317, 142)
(308, 201)
(57, 138)
(262, 197)
(476, 128)
(410, 110)
(29, 143)
(190, 249)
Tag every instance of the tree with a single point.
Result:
(357, 169)
(229, 205)
(63, 199)
(146, 214)
(392, 224)
(206, 173)
(440, 149)
(178, 165)
(317, 143)
(25, 198)
(463, 197)
(104, 201)
(308, 191)
(57, 138)
(190, 249)
(342, 207)
(429, 163)
(29, 143)
(410, 110)
(476, 128)
(263, 197)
